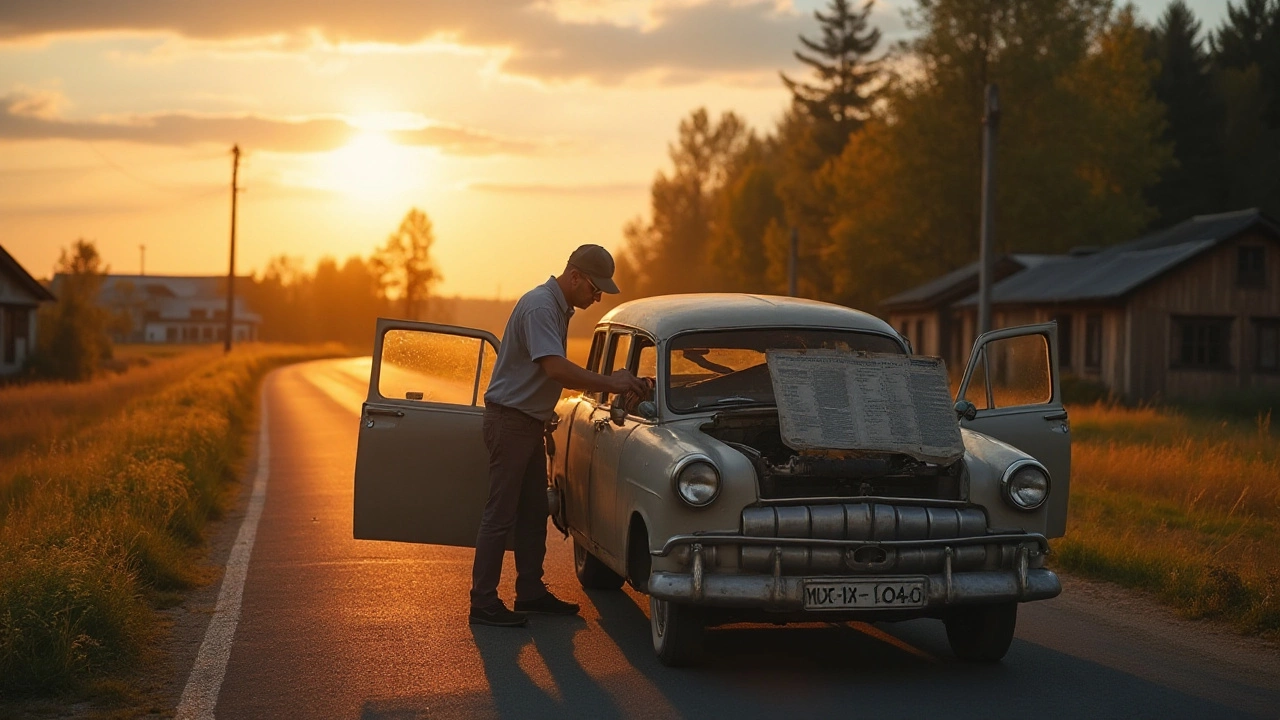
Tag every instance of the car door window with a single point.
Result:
(617, 356)
(597, 351)
(430, 367)
(1011, 372)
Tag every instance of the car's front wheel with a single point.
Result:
(593, 574)
(678, 632)
(981, 633)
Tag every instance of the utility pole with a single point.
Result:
(142, 265)
(793, 259)
(990, 122)
(231, 272)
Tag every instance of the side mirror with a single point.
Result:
(618, 414)
(966, 410)
(647, 410)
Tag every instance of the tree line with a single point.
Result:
(1108, 129)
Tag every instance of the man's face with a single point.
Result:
(585, 292)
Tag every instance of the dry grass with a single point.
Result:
(34, 415)
(103, 513)
(1186, 507)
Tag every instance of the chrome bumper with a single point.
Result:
(787, 593)
(777, 591)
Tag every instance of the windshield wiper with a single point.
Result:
(733, 400)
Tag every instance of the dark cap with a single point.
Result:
(596, 263)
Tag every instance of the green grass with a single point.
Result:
(102, 511)
(1183, 505)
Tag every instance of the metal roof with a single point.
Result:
(961, 281)
(1120, 269)
(1102, 276)
(10, 267)
(666, 315)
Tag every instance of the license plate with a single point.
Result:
(864, 594)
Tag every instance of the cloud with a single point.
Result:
(699, 39)
(25, 116)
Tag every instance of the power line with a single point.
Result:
(144, 181)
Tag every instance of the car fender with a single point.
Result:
(986, 460)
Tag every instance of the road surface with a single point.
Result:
(331, 627)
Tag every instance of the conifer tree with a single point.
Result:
(1195, 183)
(840, 98)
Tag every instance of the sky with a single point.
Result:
(523, 128)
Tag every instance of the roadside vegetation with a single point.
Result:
(1184, 505)
(105, 490)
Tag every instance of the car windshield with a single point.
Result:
(727, 368)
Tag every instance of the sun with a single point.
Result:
(372, 166)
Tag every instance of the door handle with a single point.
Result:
(1060, 415)
(380, 411)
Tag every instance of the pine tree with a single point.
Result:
(1246, 55)
(840, 99)
(1196, 182)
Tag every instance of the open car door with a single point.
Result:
(1012, 378)
(422, 471)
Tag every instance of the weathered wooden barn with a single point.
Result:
(1191, 311)
(20, 295)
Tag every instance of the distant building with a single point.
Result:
(1186, 312)
(176, 309)
(20, 295)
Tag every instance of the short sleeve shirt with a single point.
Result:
(538, 328)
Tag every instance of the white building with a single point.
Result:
(20, 294)
(178, 309)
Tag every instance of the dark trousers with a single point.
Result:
(517, 498)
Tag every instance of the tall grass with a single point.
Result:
(104, 513)
(1187, 507)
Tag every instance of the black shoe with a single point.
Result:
(497, 616)
(548, 604)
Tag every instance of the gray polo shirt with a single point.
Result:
(538, 327)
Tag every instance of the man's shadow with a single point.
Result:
(516, 694)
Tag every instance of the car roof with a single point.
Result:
(667, 315)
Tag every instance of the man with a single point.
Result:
(528, 376)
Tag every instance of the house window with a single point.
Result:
(171, 334)
(1202, 342)
(1064, 341)
(1093, 341)
(9, 328)
(919, 344)
(1268, 344)
(1251, 266)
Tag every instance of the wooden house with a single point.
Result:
(20, 295)
(1190, 311)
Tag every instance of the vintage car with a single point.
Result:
(694, 497)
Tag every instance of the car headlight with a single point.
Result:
(697, 481)
(1025, 485)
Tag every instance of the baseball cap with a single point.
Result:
(596, 263)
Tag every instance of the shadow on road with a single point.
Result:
(562, 668)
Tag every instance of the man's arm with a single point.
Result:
(570, 375)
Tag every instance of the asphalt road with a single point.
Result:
(332, 627)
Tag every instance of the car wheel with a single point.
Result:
(981, 633)
(678, 632)
(593, 574)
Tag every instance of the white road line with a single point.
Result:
(201, 693)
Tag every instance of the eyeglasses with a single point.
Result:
(596, 292)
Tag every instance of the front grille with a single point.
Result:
(861, 521)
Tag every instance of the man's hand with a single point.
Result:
(572, 376)
(622, 382)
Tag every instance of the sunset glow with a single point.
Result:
(371, 166)
(522, 131)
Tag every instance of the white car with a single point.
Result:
(702, 499)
